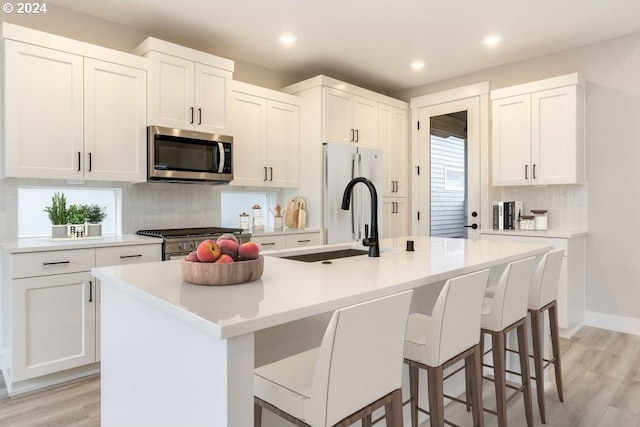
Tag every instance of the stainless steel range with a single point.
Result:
(178, 242)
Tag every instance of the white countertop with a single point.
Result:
(47, 244)
(289, 290)
(561, 234)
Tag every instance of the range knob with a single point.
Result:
(193, 245)
(182, 246)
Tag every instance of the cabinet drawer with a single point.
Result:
(268, 243)
(302, 239)
(52, 262)
(118, 255)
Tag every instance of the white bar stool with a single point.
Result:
(450, 334)
(543, 296)
(356, 369)
(505, 310)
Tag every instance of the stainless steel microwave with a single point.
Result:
(180, 155)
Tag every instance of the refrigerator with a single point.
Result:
(341, 163)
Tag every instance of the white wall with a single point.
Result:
(612, 71)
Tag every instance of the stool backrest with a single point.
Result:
(544, 285)
(509, 302)
(360, 358)
(456, 317)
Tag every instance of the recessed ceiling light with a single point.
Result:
(288, 39)
(417, 65)
(492, 40)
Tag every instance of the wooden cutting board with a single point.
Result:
(292, 213)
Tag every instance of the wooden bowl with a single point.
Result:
(231, 273)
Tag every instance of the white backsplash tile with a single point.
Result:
(566, 205)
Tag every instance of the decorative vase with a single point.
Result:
(59, 231)
(94, 230)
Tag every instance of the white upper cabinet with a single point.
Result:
(266, 137)
(394, 143)
(349, 119)
(115, 115)
(188, 89)
(43, 112)
(70, 116)
(538, 133)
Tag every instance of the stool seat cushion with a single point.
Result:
(287, 383)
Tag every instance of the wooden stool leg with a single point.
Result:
(538, 362)
(257, 415)
(436, 396)
(523, 350)
(413, 392)
(468, 380)
(555, 347)
(500, 375)
(473, 367)
(366, 421)
(393, 410)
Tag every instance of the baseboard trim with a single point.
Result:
(627, 325)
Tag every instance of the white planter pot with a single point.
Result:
(59, 231)
(94, 230)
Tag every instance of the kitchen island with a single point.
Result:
(175, 354)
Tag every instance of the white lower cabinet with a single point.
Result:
(53, 324)
(51, 309)
(269, 242)
(571, 287)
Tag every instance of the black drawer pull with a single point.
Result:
(304, 241)
(130, 256)
(90, 291)
(55, 263)
(268, 243)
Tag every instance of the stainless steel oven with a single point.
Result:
(178, 242)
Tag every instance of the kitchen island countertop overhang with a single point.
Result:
(289, 290)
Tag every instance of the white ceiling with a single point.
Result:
(371, 42)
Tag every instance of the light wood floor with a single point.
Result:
(601, 372)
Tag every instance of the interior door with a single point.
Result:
(462, 177)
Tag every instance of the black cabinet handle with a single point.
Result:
(79, 161)
(304, 241)
(191, 115)
(265, 173)
(526, 171)
(56, 262)
(90, 164)
(357, 135)
(199, 116)
(130, 256)
(270, 174)
(90, 290)
(352, 136)
(534, 171)
(268, 243)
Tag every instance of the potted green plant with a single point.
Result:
(94, 215)
(77, 218)
(58, 215)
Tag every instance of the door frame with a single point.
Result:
(420, 161)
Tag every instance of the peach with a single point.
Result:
(227, 236)
(224, 258)
(208, 251)
(228, 247)
(248, 250)
(192, 257)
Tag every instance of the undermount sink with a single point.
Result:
(324, 256)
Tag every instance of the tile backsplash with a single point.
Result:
(566, 205)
